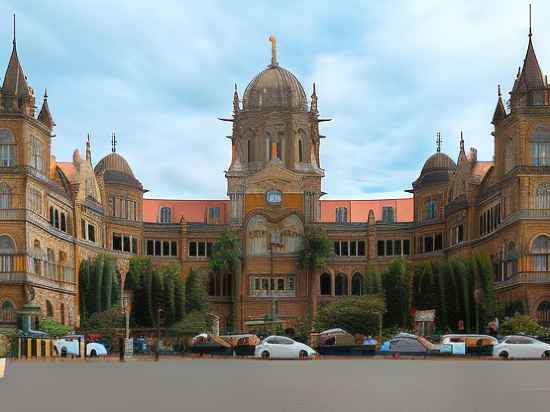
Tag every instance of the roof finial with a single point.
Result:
(273, 41)
(438, 141)
(530, 31)
(313, 107)
(461, 141)
(114, 141)
(14, 29)
(235, 100)
(498, 91)
(88, 149)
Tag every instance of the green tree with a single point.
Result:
(226, 253)
(179, 298)
(194, 323)
(140, 276)
(169, 299)
(53, 328)
(107, 282)
(98, 269)
(115, 290)
(196, 296)
(521, 324)
(316, 251)
(397, 282)
(84, 285)
(373, 281)
(355, 314)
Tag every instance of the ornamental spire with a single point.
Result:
(45, 116)
(461, 141)
(15, 83)
(88, 149)
(438, 141)
(500, 111)
(235, 100)
(273, 41)
(113, 142)
(313, 107)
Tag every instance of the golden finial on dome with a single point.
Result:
(273, 41)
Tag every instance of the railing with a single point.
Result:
(525, 277)
(20, 267)
(7, 316)
(273, 293)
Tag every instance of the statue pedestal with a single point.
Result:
(28, 318)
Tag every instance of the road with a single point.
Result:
(220, 385)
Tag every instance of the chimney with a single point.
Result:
(472, 157)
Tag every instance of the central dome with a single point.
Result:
(274, 88)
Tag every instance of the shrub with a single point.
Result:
(53, 328)
(521, 324)
(193, 324)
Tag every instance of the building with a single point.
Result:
(54, 214)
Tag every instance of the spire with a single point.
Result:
(500, 111)
(88, 149)
(45, 115)
(273, 41)
(236, 100)
(461, 141)
(438, 141)
(313, 107)
(15, 83)
(530, 77)
(113, 142)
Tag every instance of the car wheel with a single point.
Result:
(503, 355)
(265, 355)
(546, 355)
(93, 353)
(303, 354)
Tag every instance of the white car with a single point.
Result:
(521, 347)
(69, 346)
(281, 347)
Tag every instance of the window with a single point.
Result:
(88, 231)
(540, 251)
(161, 248)
(431, 209)
(36, 154)
(543, 313)
(536, 98)
(341, 215)
(341, 285)
(510, 266)
(63, 225)
(397, 247)
(406, 247)
(5, 196)
(213, 215)
(380, 248)
(49, 309)
(300, 151)
(165, 215)
(389, 247)
(200, 248)
(457, 234)
(7, 148)
(489, 220)
(35, 201)
(361, 248)
(150, 247)
(326, 284)
(387, 214)
(165, 248)
(349, 247)
(543, 196)
(438, 241)
(540, 146)
(91, 233)
(428, 244)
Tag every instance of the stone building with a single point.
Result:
(54, 214)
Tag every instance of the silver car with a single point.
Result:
(281, 347)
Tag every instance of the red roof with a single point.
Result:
(195, 211)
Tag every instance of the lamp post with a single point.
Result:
(157, 348)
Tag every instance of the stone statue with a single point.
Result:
(29, 294)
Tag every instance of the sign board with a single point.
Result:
(128, 348)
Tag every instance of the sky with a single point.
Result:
(390, 74)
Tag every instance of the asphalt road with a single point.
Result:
(198, 385)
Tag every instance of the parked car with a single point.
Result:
(280, 347)
(70, 346)
(521, 347)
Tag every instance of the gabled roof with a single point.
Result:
(15, 83)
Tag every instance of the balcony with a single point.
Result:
(536, 278)
(7, 316)
(272, 293)
(40, 272)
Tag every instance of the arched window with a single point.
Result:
(510, 260)
(7, 148)
(300, 151)
(7, 311)
(165, 215)
(431, 209)
(357, 284)
(341, 285)
(540, 251)
(56, 218)
(63, 222)
(543, 196)
(5, 196)
(326, 284)
(211, 284)
(49, 309)
(540, 146)
(7, 248)
(543, 313)
(52, 217)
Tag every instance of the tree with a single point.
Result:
(53, 328)
(397, 282)
(169, 299)
(316, 251)
(355, 314)
(226, 253)
(107, 282)
(84, 285)
(373, 281)
(98, 277)
(140, 276)
(196, 296)
(194, 323)
(179, 298)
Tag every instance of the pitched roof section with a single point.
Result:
(531, 76)
(195, 211)
(15, 83)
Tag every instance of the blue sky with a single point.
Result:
(389, 73)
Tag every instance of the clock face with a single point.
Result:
(274, 197)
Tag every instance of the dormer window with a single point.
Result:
(431, 209)
(165, 215)
(387, 214)
(341, 215)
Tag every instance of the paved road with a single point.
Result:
(198, 385)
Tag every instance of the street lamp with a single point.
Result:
(157, 349)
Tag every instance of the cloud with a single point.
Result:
(390, 74)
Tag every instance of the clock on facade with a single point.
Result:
(274, 197)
